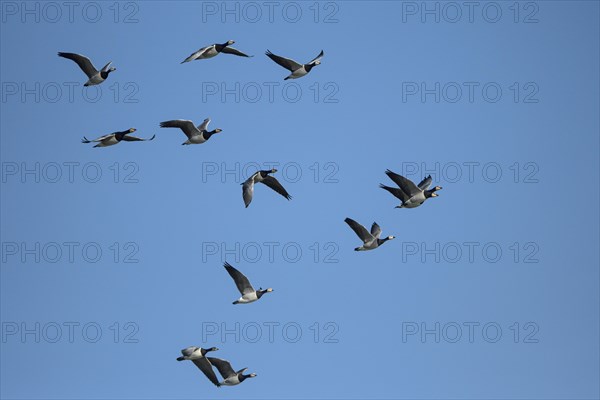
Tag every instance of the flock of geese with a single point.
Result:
(411, 195)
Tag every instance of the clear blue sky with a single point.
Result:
(182, 212)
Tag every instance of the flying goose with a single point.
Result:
(231, 378)
(213, 50)
(371, 239)
(249, 295)
(116, 137)
(198, 356)
(297, 70)
(262, 177)
(196, 135)
(95, 77)
(410, 194)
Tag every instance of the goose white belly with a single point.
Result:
(248, 298)
(108, 142)
(195, 355)
(371, 245)
(198, 139)
(231, 381)
(94, 80)
(210, 53)
(300, 72)
(415, 201)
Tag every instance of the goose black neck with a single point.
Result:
(382, 241)
(220, 47)
(429, 192)
(242, 377)
(119, 135)
(208, 134)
